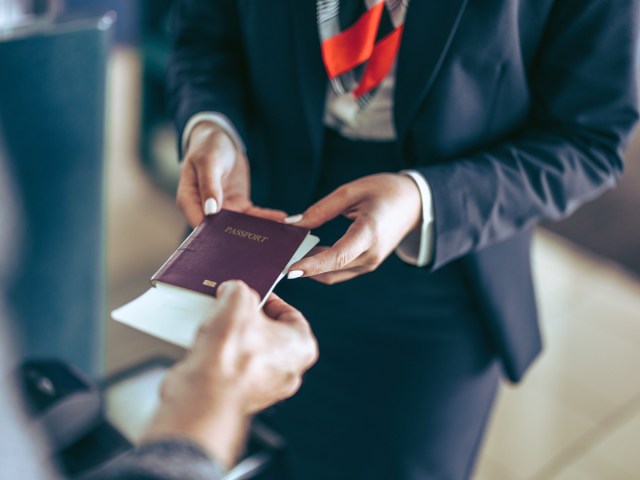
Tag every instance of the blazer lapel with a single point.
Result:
(429, 28)
(312, 77)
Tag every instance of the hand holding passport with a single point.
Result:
(226, 246)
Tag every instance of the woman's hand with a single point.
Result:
(215, 175)
(384, 208)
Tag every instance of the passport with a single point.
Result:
(232, 246)
(226, 246)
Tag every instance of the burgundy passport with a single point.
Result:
(232, 246)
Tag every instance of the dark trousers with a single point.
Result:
(406, 377)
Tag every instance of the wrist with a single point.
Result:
(207, 132)
(414, 200)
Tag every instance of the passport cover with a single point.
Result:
(232, 246)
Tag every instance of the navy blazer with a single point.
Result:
(514, 110)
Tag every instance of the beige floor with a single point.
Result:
(577, 415)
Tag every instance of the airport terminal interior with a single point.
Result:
(576, 415)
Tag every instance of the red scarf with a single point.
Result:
(358, 58)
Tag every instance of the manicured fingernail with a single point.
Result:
(210, 206)
(293, 218)
(295, 274)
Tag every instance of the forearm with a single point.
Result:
(569, 149)
(488, 197)
(207, 71)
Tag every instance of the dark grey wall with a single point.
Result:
(52, 109)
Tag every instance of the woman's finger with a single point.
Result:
(188, 197)
(210, 174)
(332, 278)
(336, 203)
(357, 240)
(268, 213)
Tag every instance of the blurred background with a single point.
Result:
(86, 106)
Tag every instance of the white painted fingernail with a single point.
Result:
(293, 274)
(293, 218)
(210, 206)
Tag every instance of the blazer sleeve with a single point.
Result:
(207, 69)
(161, 460)
(584, 105)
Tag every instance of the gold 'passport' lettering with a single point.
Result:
(209, 283)
(244, 234)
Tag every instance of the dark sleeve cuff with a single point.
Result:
(175, 459)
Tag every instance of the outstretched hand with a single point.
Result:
(215, 174)
(384, 208)
(243, 360)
